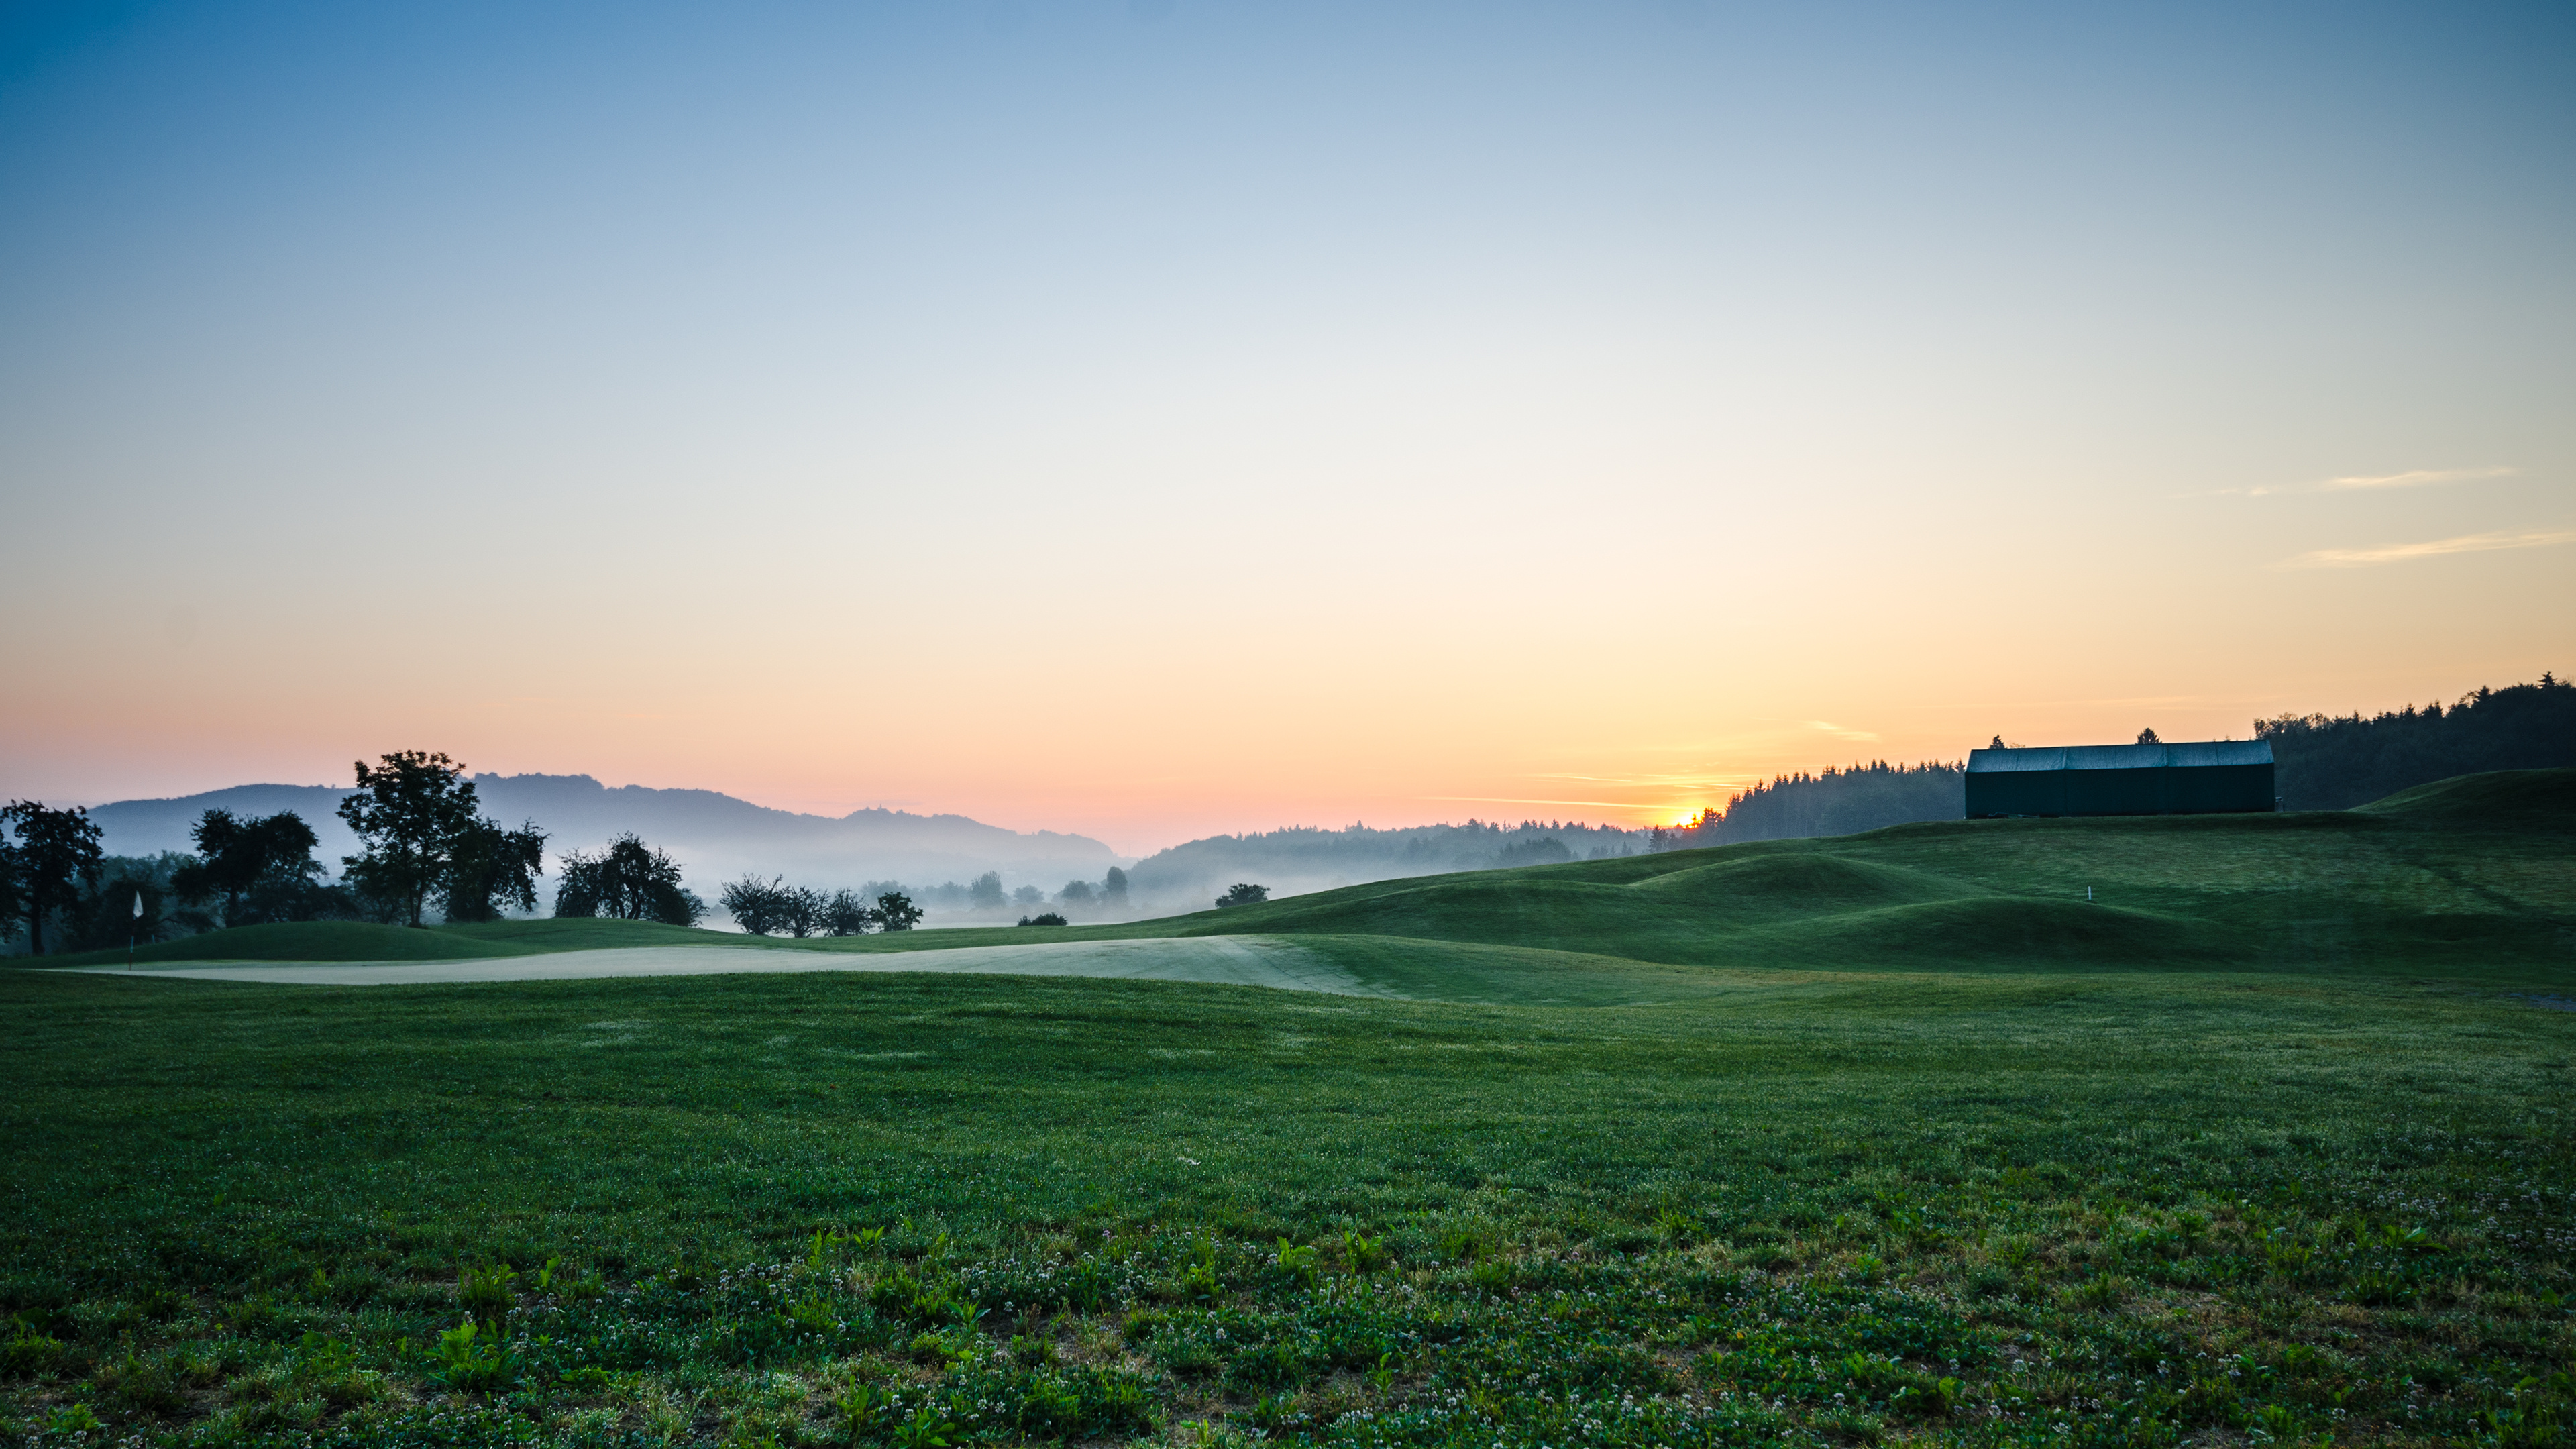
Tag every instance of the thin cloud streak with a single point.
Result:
(2333, 558)
(2417, 479)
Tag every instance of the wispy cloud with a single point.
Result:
(2421, 477)
(2418, 478)
(2346, 558)
(1840, 733)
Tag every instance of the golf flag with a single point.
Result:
(138, 905)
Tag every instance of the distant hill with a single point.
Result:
(1300, 859)
(715, 837)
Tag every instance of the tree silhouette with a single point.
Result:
(757, 906)
(628, 881)
(491, 870)
(896, 912)
(263, 867)
(410, 812)
(57, 850)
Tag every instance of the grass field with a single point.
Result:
(2297, 1169)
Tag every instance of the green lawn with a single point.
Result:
(2207, 1196)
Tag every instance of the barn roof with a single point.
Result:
(2122, 757)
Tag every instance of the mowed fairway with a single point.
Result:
(2046, 1198)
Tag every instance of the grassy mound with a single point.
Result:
(2536, 800)
(1769, 887)
(2474, 875)
(2000, 932)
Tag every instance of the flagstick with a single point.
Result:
(133, 930)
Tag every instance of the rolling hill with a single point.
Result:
(2470, 875)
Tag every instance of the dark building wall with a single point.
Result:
(2166, 790)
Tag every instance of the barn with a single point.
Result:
(2214, 777)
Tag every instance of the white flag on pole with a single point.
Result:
(138, 905)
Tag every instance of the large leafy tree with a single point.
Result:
(10, 898)
(491, 870)
(757, 906)
(628, 881)
(411, 813)
(896, 912)
(57, 850)
(263, 866)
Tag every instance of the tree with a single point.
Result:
(847, 914)
(410, 813)
(263, 867)
(1028, 895)
(1044, 918)
(57, 850)
(490, 870)
(985, 893)
(896, 912)
(1243, 894)
(628, 881)
(2147, 736)
(801, 910)
(756, 906)
(1113, 890)
(10, 897)
(1075, 893)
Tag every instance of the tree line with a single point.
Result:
(1833, 801)
(2330, 763)
(772, 908)
(424, 845)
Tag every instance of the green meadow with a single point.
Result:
(1892, 1138)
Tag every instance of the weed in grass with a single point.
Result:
(152, 1385)
(928, 1428)
(471, 1357)
(1298, 1263)
(1199, 1278)
(1364, 1254)
(26, 1352)
(486, 1295)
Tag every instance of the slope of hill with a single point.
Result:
(2475, 873)
(1300, 859)
(714, 836)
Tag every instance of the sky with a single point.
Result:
(1153, 418)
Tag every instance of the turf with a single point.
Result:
(2146, 1199)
